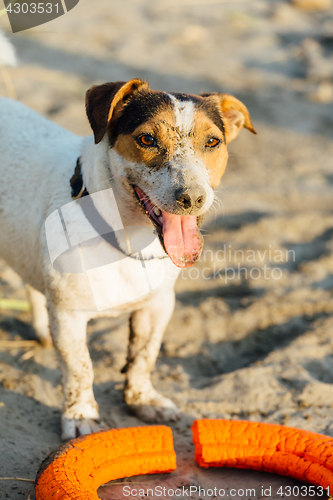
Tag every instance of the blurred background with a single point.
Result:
(251, 336)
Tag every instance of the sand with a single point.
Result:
(251, 336)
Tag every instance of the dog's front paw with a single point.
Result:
(79, 419)
(75, 427)
(158, 414)
(152, 408)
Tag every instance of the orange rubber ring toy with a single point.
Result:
(75, 470)
(287, 451)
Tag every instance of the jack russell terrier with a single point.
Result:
(149, 171)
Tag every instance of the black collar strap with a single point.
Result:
(78, 188)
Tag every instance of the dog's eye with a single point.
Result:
(147, 140)
(212, 142)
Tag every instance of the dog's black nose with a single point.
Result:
(188, 199)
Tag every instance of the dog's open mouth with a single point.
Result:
(179, 234)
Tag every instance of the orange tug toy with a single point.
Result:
(76, 469)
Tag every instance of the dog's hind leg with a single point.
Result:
(68, 330)
(147, 327)
(40, 317)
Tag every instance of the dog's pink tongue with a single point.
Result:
(182, 239)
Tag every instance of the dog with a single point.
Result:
(150, 168)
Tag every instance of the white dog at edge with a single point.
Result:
(162, 155)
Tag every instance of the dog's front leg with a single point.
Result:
(147, 326)
(68, 330)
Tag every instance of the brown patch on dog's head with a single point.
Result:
(152, 113)
(205, 128)
(235, 116)
(234, 113)
(104, 102)
(130, 110)
(157, 122)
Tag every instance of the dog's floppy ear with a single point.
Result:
(103, 102)
(234, 113)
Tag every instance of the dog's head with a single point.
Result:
(170, 152)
